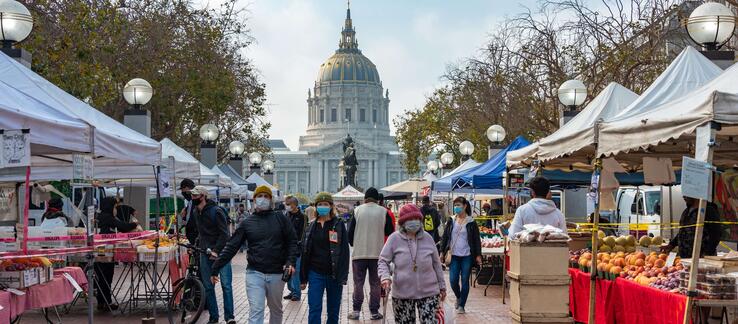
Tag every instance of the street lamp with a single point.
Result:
(16, 24)
(466, 149)
(236, 149)
(433, 166)
(255, 160)
(711, 25)
(268, 166)
(137, 92)
(495, 134)
(208, 152)
(571, 93)
(209, 133)
(447, 159)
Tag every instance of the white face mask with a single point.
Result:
(262, 203)
(288, 208)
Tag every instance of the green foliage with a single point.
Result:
(192, 58)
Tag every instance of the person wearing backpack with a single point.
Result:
(212, 228)
(431, 219)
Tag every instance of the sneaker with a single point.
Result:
(460, 310)
(377, 316)
(353, 315)
(295, 298)
(231, 321)
(213, 321)
(287, 297)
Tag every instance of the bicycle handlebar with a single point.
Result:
(192, 247)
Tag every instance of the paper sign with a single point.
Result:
(703, 141)
(82, 168)
(696, 179)
(165, 182)
(74, 283)
(15, 150)
(90, 220)
(670, 259)
(15, 291)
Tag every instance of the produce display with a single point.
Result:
(627, 243)
(488, 230)
(639, 267)
(24, 263)
(492, 242)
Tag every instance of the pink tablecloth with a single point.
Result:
(58, 291)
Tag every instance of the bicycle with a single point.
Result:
(188, 299)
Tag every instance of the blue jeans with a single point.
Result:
(317, 283)
(260, 288)
(226, 276)
(460, 270)
(294, 284)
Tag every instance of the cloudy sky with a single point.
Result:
(411, 42)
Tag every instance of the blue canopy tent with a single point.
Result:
(488, 175)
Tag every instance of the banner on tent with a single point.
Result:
(82, 169)
(15, 150)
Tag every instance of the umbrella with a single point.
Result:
(410, 185)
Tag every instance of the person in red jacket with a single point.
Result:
(389, 211)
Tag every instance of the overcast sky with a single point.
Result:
(411, 43)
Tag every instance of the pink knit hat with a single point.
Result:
(408, 212)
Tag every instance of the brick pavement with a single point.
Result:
(480, 308)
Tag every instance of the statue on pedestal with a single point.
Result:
(349, 162)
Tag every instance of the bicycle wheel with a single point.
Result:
(187, 302)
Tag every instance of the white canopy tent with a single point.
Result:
(259, 181)
(111, 139)
(667, 130)
(579, 132)
(349, 193)
(410, 185)
(689, 70)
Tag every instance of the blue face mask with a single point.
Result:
(323, 210)
(458, 209)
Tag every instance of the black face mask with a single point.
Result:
(187, 195)
(196, 202)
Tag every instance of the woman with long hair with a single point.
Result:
(462, 243)
(325, 261)
(417, 283)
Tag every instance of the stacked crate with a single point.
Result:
(539, 282)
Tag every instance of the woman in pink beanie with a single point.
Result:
(417, 282)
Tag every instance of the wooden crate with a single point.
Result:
(523, 319)
(539, 296)
(539, 259)
(581, 242)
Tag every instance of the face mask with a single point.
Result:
(187, 195)
(196, 201)
(323, 210)
(288, 208)
(262, 203)
(412, 226)
(457, 210)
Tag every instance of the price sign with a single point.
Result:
(15, 148)
(696, 179)
(515, 180)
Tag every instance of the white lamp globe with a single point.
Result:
(466, 148)
(572, 93)
(447, 158)
(236, 148)
(268, 165)
(16, 21)
(433, 165)
(496, 133)
(711, 24)
(137, 92)
(209, 132)
(255, 158)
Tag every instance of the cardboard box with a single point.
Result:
(539, 259)
(20, 279)
(57, 237)
(546, 296)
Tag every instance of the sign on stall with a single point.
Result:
(696, 179)
(90, 219)
(165, 182)
(15, 150)
(82, 169)
(515, 180)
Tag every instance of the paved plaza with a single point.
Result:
(480, 308)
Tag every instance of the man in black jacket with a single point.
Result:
(299, 223)
(272, 251)
(213, 234)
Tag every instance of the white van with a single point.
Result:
(643, 210)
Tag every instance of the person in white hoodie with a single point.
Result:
(539, 210)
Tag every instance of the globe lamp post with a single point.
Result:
(711, 25)
(16, 24)
(495, 134)
(208, 151)
(466, 149)
(447, 159)
(236, 148)
(255, 161)
(572, 94)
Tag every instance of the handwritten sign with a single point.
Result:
(15, 148)
(696, 179)
(82, 169)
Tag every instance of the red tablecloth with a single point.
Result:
(177, 271)
(58, 291)
(624, 301)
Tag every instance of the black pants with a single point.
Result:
(104, 272)
(360, 269)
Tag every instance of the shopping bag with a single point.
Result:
(445, 314)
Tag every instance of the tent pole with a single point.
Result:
(595, 241)
(505, 187)
(699, 229)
